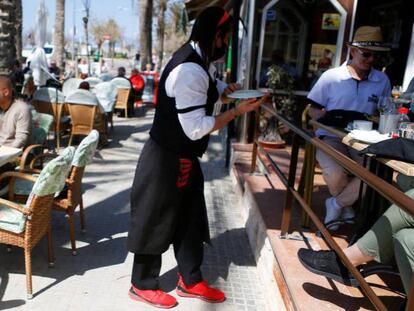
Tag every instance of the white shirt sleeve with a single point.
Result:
(188, 83)
(221, 86)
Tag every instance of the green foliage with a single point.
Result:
(281, 84)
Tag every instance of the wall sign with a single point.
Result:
(331, 21)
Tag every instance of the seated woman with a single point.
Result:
(391, 239)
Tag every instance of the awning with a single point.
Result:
(194, 7)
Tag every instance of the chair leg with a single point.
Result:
(28, 265)
(82, 215)
(126, 112)
(72, 233)
(50, 254)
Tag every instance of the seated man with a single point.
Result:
(391, 239)
(354, 86)
(16, 118)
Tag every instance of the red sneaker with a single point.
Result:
(156, 298)
(199, 290)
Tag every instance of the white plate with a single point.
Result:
(244, 94)
(369, 137)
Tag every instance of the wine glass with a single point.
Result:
(396, 91)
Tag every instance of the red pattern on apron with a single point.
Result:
(185, 168)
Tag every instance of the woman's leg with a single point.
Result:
(404, 255)
(378, 241)
(146, 271)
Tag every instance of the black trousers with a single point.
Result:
(188, 251)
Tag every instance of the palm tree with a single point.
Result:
(19, 26)
(162, 7)
(7, 36)
(146, 32)
(85, 19)
(59, 35)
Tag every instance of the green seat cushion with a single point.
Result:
(11, 219)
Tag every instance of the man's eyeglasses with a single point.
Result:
(367, 54)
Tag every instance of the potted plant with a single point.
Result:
(280, 82)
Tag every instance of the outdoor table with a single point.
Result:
(9, 154)
(398, 166)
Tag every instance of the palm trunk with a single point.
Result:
(19, 21)
(7, 36)
(87, 47)
(146, 32)
(59, 37)
(161, 32)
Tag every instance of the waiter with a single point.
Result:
(167, 198)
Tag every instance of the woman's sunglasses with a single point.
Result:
(367, 54)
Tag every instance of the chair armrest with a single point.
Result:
(18, 175)
(26, 153)
(13, 176)
(40, 157)
(15, 206)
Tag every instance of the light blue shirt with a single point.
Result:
(336, 89)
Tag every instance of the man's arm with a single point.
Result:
(23, 128)
(316, 111)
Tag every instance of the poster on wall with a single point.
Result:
(322, 57)
(331, 21)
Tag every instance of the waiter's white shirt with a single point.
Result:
(188, 83)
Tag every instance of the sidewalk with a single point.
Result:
(98, 277)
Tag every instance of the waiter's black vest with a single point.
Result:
(166, 129)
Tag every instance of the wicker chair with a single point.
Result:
(68, 200)
(50, 101)
(83, 109)
(71, 197)
(122, 100)
(24, 225)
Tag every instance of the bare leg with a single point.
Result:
(356, 256)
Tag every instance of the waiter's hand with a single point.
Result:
(248, 105)
(228, 90)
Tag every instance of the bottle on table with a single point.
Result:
(403, 120)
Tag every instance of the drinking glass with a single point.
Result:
(396, 91)
(385, 104)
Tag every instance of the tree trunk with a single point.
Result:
(161, 32)
(19, 26)
(59, 35)
(146, 32)
(87, 46)
(7, 36)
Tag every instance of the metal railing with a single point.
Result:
(382, 187)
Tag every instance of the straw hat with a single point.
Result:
(369, 38)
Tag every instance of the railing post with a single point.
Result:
(291, 184)
(255, 138)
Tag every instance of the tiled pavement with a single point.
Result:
(98, 277)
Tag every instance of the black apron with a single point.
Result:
(167, 192)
